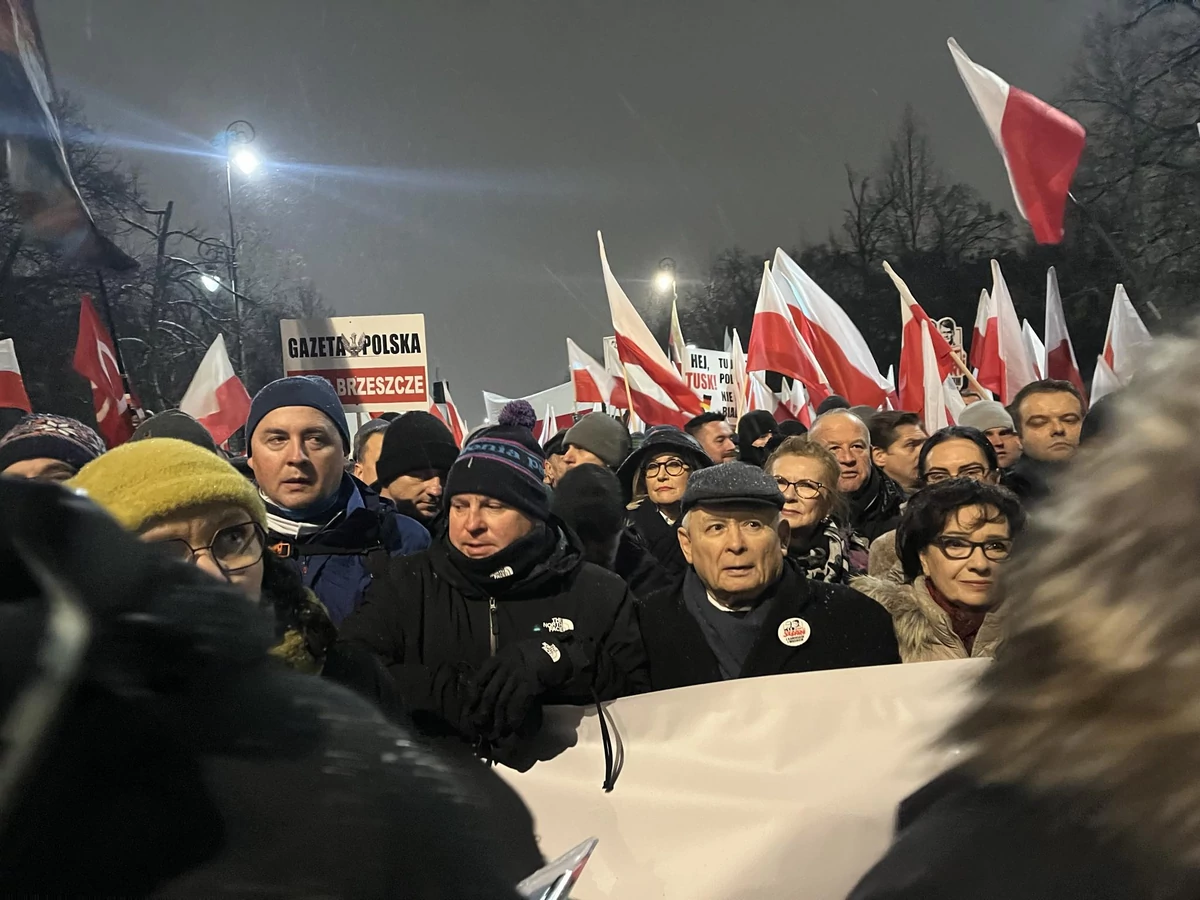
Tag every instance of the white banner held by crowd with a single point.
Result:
(376, 364)
(785, 786)
(710, 374)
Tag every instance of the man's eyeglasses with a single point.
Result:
(805, 489)
(673, 467)
(233, 549)
(975, 472)
(997, 550)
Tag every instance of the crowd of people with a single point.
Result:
(461, 589)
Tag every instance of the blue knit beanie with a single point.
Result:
(298, 390)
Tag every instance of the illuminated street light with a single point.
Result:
(246, 161)
(664, 278)
(211, 283)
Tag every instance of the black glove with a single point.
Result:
(510, 682)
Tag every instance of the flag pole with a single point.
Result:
(102, 291)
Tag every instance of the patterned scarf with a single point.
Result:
(826, 557)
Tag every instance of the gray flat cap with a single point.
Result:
(729, 484)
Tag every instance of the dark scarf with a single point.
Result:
(497, 573)
(965, 620)
(879, 496)
(825, 554)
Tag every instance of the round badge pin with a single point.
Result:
(793, 632)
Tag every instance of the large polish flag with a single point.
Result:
(592, 383)
(1060, 354)
(985, 345)
(455, 422)
(838, 345)
(1015, 362)
(651, 403)
(1127, 337)
(12, 385)
(1040, 145)
(776, 344)
(644, 362)
(216, 398)
(915, 324)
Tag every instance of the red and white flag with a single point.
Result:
(436, 412)
(776, 344)
(741, 376)
(933, 383)
(1127, 339)
(216, 398)
(547, 426)
(456, 423)
(12, 385)
(838, 345)
(1104, 380)
(914, 320)
(795, 398)
(96, 360)
(1040, 144)
(592, 383)
(760, 396)
(659, 392)
(954, 402)
(1016, 365)
(675, 341)
(1060, 354)
(985, 346)
(1035, 348)
(985, 322)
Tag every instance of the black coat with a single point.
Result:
(958, 838)
(430, 627)
(875, 507)
(846, 630)
(660, 539)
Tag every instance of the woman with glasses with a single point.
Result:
(655, 476)
(952, 540)
(196, 508)
(820, 542)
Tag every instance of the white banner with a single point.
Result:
(710, 374)
(784, 786)
(375, 363)
(562, 398)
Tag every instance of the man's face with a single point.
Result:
(41, 469)
(847, 438)
(1006, 443)
(364, 466)
(899, 460)
(736, 551)
(577, 456)
(298, 458)
(422, 489)
(555, 467)
(481, 526)
(1050, 425)
(717, 440)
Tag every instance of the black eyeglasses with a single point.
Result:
(805, 489)
(233, 549)
(673, 467)
(997, 550)
(975, 472)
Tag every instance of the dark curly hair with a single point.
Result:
(928, 509)
(958, 433)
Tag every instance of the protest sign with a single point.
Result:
(710, 374)
(375, 363)
(784, 786)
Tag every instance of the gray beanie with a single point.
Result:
(986, 414)
(603, 435)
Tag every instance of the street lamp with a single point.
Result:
(210, 283)
(238, 136)
(664, 279)
(246, 160)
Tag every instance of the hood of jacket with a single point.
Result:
(564, 559)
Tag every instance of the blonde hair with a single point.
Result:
(803, 445)
(1096, 690)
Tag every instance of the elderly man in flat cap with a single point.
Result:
(741, 609)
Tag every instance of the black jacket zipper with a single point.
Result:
(494, 627)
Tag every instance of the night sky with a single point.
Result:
(456, 157)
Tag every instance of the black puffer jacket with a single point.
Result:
(432, 628)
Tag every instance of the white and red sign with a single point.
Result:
(710, 374)
(376, 364)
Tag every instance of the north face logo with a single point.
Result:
(559, 625)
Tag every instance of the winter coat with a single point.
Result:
(884, 560)
(338, 562)
(875, 507)
(659, 538)
(923, 628)
(1031, 479)
(834, 554)
(844, 628)
(957, 837)
(303, 630)
(638, 567)
(431, 628)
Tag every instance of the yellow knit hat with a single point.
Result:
(145, 480)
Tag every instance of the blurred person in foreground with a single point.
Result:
(162, 752)
(713, 432)
(996, 423)
(368, 442)
(47, 447)
(755, 430)
(175, 423)
(195, 507)
(874, 498)
(819, 540)
(741, 611)
(555, 450)
(1076, 760)
(418, 450)
(322, 521)
(1049, 417)
(896, 440)
(952, 540)
(499, 616)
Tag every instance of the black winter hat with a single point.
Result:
(504, 462)
(661, 439)
(588, 499)
(414, 442)
(298, 390)
(833, 401)
(175, 423)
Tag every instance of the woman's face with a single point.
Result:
(807, 502)
(219, 538)
(662, 487)
(963, 560)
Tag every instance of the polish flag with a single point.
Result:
(1060, 354)
(1104, 380)
(776, 344)
(455, 422)
(652, 404)
(954, 402)
(675, 341)
(592, 383)
(96, 360)
(1040, 145)
(216, 398)
(838, 345)
(1035, 348)
(933, 382)
(1127, 338)
(760, 396)
(913, 321)
(644, 362)
(985, 345)
(741, 376)
(546, 426)
(12, 385)
(795, 398)
(1015, 362)
(436, 412)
